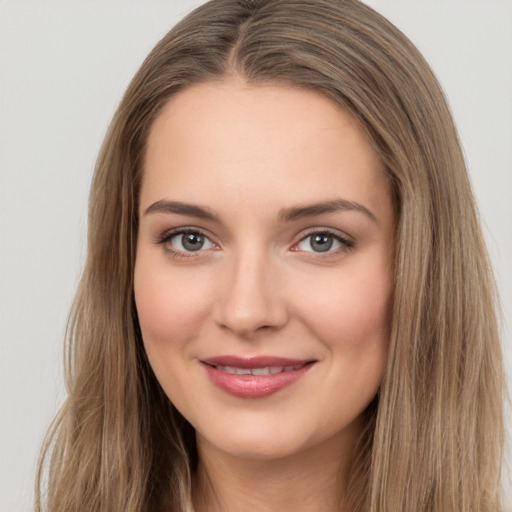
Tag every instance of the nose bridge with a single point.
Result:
(250, 298)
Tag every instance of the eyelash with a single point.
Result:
(345, 242)
(168, 235)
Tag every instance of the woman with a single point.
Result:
(287, 303)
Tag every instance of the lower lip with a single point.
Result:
(254, 386)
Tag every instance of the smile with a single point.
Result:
(256, 377)
(267, 370)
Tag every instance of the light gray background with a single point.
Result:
(63, 67)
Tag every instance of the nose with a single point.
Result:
(250, 297)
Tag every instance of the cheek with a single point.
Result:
(170, 306)
(354, 327)
(350, 316)
(352, 309)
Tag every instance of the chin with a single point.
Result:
(262, 438)
(256, 448)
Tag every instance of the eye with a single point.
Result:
(187, 241)
(323, 241)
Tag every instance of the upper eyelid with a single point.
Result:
(169, 233)
(324, 230)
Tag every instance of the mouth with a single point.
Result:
(255, 377)
(265, 370)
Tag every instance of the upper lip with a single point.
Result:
(254, 361)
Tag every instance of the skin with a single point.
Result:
(247, 153)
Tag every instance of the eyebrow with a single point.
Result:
(312, 210)
(285, 215)
(181, 208)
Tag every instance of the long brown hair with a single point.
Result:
(435, 432)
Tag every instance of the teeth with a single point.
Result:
(268, 370)
(260, 371)
(241, 371)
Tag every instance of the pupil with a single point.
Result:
(321, 243)
(192, 241)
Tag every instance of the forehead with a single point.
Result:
(246, 140)
(210, 112)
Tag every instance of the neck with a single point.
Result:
(314, 480)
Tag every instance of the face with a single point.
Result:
(263, 275)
